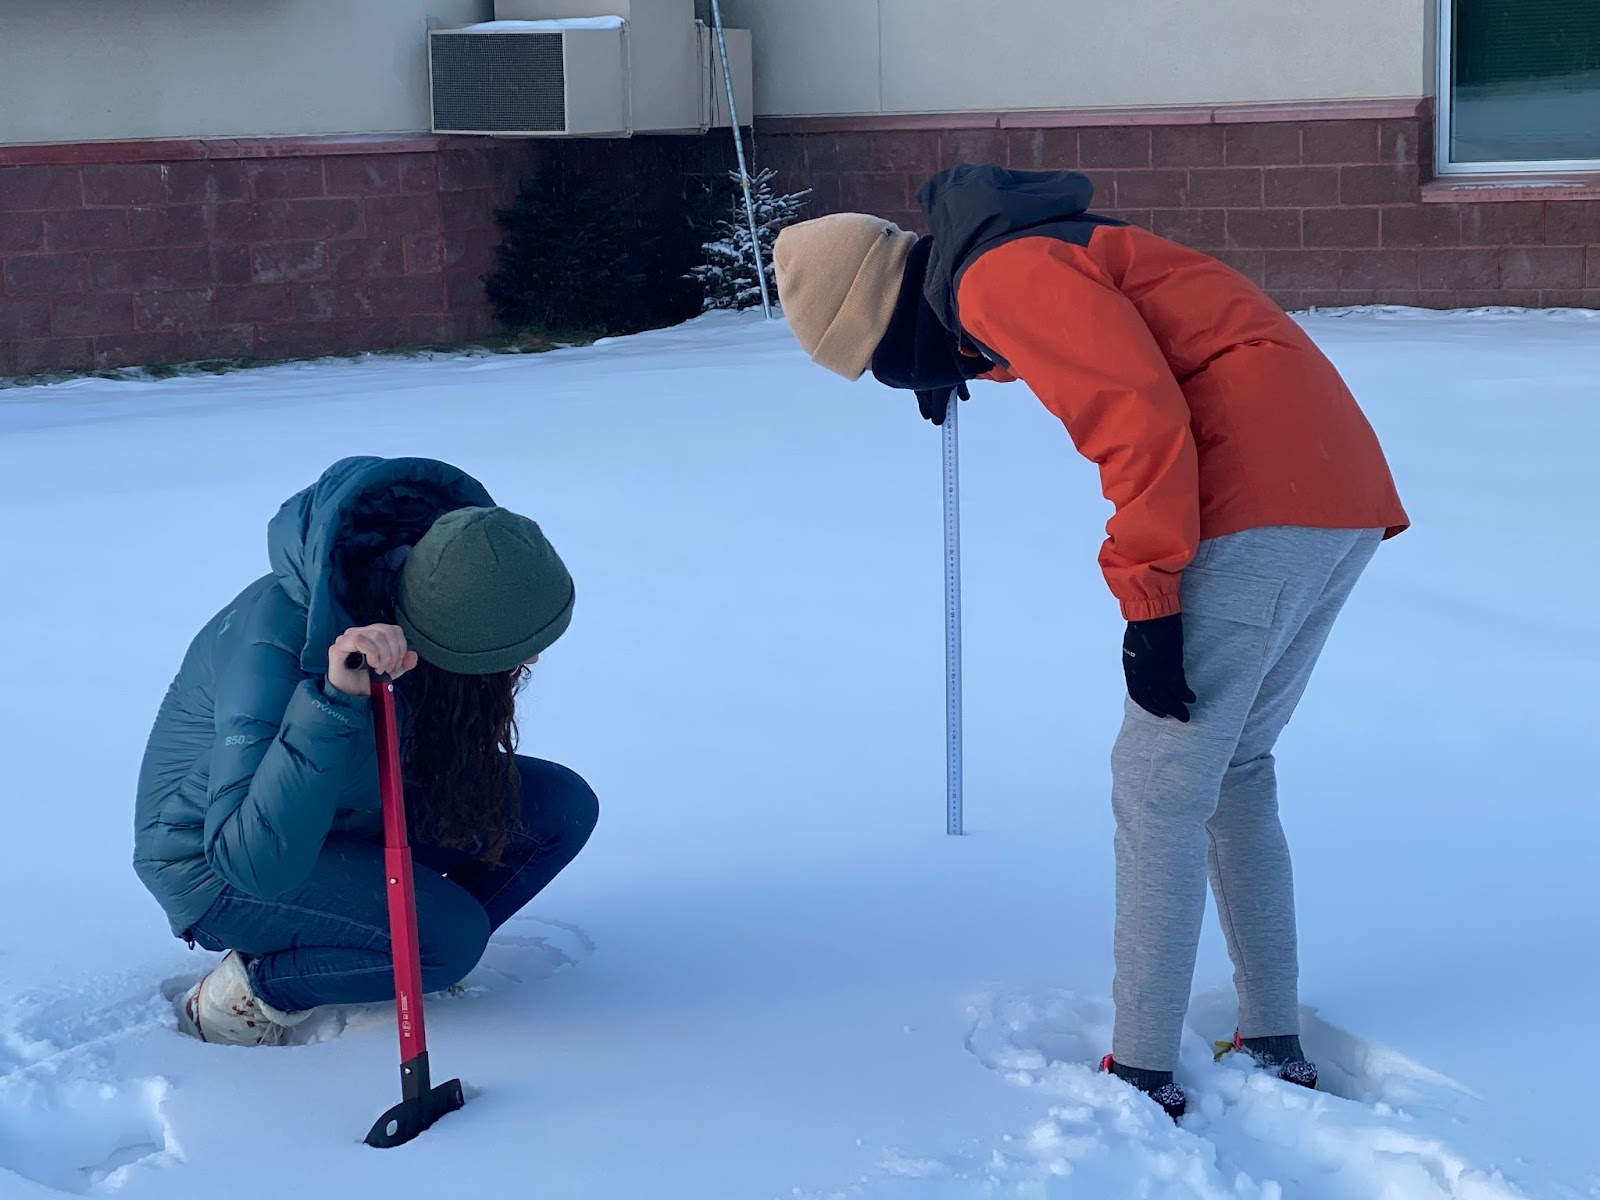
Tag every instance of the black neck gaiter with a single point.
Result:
(917, 352)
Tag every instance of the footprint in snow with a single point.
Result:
(78, 1135)
(44, 1026)
(525, 950)
(66, 1121)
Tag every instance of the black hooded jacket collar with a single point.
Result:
(974, 208)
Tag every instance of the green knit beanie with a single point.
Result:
(483, 592)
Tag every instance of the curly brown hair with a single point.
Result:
(461, 773)
(462, 783)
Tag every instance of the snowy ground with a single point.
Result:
(771, 975)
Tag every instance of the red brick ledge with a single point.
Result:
(192, 149)
(1084, 118)
(1468, 189)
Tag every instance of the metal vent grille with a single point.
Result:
(498, 83)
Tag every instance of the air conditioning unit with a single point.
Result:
(552, 82)
(585, 68)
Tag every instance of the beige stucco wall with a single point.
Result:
(817, 57)
(73, 71)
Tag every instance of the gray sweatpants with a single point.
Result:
(1258, 607)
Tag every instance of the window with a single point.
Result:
(1519, 86)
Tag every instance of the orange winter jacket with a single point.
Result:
(1208, 410)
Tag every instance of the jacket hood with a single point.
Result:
(351, 497)
(972, 207)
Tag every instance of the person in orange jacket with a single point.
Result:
(1249, 494)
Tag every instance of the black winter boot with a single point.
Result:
(1157, 1085)
(1280, 1055)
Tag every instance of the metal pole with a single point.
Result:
(744, 173)
(952, 621)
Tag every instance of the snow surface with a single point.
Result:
(771, 974)
(547, 25)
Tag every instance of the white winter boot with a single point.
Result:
(223, 1009)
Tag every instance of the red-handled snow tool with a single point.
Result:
(421, 1104)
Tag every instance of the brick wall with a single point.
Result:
(138, 253)
(1318, 211)
(274, 250)
(115, 254)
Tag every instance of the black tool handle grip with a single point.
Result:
(355, 661)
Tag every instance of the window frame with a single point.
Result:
(1443, 111)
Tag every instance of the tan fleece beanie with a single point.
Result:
(838, 280)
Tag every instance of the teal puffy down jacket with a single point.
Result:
(253, 760)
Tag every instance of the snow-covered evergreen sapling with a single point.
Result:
(728, 274)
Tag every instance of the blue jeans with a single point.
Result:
(327, 941)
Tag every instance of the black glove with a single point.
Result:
(1152, 659)
(934, 402)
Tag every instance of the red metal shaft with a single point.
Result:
(397, 870)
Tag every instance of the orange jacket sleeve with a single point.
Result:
(1056, 317)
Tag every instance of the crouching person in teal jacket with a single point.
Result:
(259, 825)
